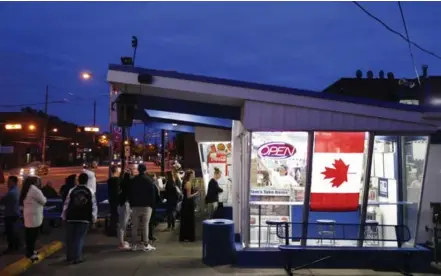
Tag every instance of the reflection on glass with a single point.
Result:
(383, 191)
(414, 155)
(337, 177)
(277, 179)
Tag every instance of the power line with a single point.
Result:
(395, 32)
(408, 42)
(32, 104)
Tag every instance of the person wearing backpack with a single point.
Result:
(80, 209)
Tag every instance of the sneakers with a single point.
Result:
(34, 258)
(146, 248)
(149, 247)
(124, 246)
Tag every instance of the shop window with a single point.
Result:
(277, 181)
(217, 156)
(336, 188)
(414, 159)
(384, 192)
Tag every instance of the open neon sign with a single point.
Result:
(276, 150)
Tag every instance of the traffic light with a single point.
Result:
(134, 42)
(127, 61)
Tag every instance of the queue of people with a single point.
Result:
(131, 198)
(79, 210)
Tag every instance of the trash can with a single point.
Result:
(217, 242)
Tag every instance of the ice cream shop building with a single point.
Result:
(303, 171)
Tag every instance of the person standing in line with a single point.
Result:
(153, 222)
(142, 199)
(11, 214)
(91, 183)
(113, 195)
(68, 184)
(124, 209)
(33, 202)
(188, 224)
(80, 209)
(172, 197)
(213, 191)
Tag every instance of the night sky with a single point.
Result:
(304, 45)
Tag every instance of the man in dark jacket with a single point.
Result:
(142, 199)
(80, 209)
(113, 196)
(213, 191)
(12, 213)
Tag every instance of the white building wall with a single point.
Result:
(208, 134)
(261, 116)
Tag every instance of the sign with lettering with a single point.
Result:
(217, 157)
(276, 150)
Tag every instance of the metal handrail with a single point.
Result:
(286, 231)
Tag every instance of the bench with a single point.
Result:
(346, 233)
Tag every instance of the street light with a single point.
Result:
(32, 127)
(86, 75)
(104, 137)
(55, 130)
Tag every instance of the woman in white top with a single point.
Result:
(33, 202)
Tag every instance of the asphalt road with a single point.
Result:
(57, 175)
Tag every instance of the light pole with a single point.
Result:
(46, 119)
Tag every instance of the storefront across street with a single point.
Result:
(326, 166)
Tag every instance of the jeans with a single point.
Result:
(113, 219)
(75, 236)
(140, 215)
(211, 208)
(124, 216)
(31, 235)
(152, 224)
(11, 233)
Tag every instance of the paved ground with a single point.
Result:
(170, 258)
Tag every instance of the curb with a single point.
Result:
(24, 264)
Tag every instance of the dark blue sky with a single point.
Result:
(303, 45)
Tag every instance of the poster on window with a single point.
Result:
(383, 187)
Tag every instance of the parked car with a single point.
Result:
(116, 162)
(34, 169)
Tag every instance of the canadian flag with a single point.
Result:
(337, 171)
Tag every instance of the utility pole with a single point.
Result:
(94, 122)
(43, 150)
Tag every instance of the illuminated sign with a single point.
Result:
(276, 150)
(91, 129)
(13, 126)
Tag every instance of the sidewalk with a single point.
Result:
(43, 239)
(170, 258)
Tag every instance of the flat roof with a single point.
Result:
(270, 88)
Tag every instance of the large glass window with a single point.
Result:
(414, 159)
(218, 155)
(383, 202)
(277, 181)
(336, 188)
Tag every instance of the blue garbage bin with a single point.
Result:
(217, 242)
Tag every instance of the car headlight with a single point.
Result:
(119, 163)
(32, 171)
(21, 171)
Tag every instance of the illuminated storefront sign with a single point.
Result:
(276, 150)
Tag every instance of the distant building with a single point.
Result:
(66, 144)
(386, 87)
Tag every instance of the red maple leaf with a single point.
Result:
(339, 173)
